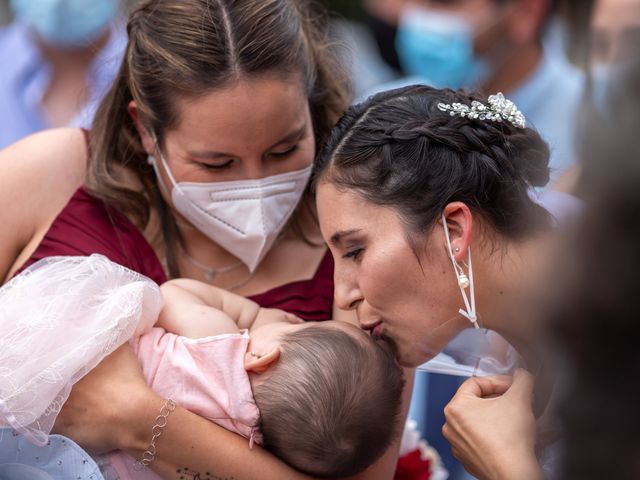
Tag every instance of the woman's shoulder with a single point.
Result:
(43, 170)
(38, 176)
(50, 148)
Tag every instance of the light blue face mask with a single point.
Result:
(439, 48)
(66, 22)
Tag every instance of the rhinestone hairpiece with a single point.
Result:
(497, 110)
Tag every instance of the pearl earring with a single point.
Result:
(464, 281)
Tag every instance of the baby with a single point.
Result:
(323, 396)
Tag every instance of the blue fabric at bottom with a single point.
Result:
(60, 459)
(431, 393)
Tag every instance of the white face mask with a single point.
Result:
(243, 216)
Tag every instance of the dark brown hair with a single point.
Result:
(398, 149)
(330, 406)
(188, 49)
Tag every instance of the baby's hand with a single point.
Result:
(273, 315)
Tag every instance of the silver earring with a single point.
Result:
(254, 354)
(457, 249)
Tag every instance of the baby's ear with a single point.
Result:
(262, 363)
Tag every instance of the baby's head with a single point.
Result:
(329, 406)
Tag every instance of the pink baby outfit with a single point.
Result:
(206, 376)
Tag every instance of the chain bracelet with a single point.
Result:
(149, 454)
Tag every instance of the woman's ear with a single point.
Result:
(262, 363)
(460, 223)
(147, 139)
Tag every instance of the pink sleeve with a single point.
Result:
(205, 375)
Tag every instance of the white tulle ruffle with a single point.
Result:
(58, 320)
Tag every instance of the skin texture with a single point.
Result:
(212, 143)
(378, 275)
(409, 293)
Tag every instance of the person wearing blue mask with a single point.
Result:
(496, 46)
(59, 58)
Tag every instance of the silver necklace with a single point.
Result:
(242, 283)
(208, 271)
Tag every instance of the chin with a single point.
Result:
(412, 356)
(413, 353)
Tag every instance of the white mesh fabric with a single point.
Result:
(58, 320)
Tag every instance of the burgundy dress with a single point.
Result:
(86, 225)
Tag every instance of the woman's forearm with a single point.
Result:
(191, 447)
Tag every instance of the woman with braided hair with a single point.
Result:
(426, 198)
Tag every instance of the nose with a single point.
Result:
(347, 293)
(254, 169)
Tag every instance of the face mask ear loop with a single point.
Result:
(154, 164)
(463, 282)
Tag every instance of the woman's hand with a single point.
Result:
(109, 408)
(491, 427)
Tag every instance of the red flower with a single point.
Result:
(412, 467)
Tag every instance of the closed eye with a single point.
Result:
(216, 166)
(285, 153)
(353, 254)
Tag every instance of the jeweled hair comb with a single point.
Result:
(498, 109)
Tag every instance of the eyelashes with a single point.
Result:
(286, 153)
(353, 254)
(228, 163)
(220, 166)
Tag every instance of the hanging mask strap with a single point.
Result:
(464, 282)
(151, 159)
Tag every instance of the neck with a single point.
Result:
(513, 67)
(202, 248)
(506, 285)
(80, 56)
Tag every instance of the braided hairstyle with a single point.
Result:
(398, 149)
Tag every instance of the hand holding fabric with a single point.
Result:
(491, 427)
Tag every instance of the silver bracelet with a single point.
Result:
(149, 454)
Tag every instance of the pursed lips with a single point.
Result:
(375, 328)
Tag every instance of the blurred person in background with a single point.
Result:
(357, 46)
(491, 46)
(597, 323)
(59, 58)
(4, 12)
(614, 44)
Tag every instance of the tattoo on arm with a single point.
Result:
(187, 474)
